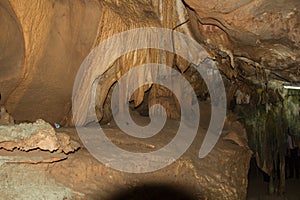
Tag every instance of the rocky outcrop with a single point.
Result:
(256, 44)
(25, 146)
(39, 135)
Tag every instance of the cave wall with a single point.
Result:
(48, 41)
(12, 54)
(253, 42)
(256, 43)
(51, 40)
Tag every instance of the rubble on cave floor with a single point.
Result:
(32, 137)
(26, 151)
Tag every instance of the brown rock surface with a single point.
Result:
(44, 47)
(252, 41)
(12, 52)
(5, 118)
(220, 175)
(43, 43)
(39, 135)
(254, 34)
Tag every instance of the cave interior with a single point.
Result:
(149, 99)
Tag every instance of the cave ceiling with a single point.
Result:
(256, 35)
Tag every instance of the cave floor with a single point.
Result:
(220, 174)
(258, 188)
(82, 175)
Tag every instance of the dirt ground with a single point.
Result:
(258, 188)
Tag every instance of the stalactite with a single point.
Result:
(267, 129)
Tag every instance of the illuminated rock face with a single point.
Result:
(44, 43)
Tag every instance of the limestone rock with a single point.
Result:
(21, 181)
(5, 118)
(250, 35)
(253, 41)
(33, 157)
(43, 45)
(38, 135)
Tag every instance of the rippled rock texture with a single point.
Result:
(253, 41)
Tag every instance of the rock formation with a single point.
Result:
(5, 118)
(248, 52)
(39, 135)
(255, 44)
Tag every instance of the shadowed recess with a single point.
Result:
(155, 191)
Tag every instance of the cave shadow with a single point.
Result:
(154, 191)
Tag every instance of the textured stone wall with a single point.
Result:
(252, 41)
(45, 43)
